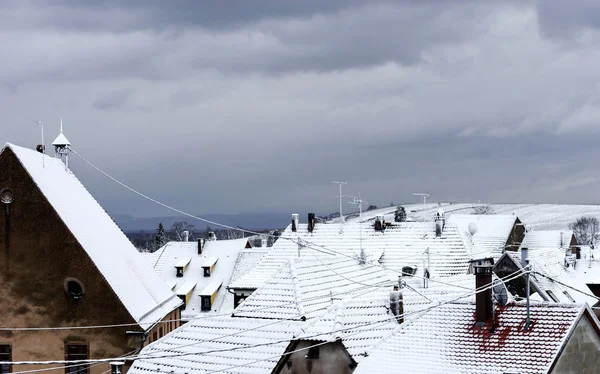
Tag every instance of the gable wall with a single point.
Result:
(37, 254)
(333, 358)
(582, 351)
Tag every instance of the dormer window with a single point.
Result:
(209, 265)
(208, 295)
(182, 265)
(185, 292)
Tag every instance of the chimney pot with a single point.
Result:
(311, 222)
(201, 242)
(295, 221)
(483, 299)
(379, 223)
(397, 304)
(524, 256)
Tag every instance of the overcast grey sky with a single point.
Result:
(241, 106)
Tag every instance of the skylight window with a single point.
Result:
(569, 296)
(552, 296)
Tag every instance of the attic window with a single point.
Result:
(313, 352)
(552, 296)
(74, 288)
(569, 296)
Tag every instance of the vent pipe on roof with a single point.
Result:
(524, 256)
(311, 222)
(397, 304)
(483, 299)
(295, 222)
(201, 242)
(562, 239)
(379, 223)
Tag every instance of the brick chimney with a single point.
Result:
(295, 222)
(483, 299)
(397, 304)
(201, 242)
(311, 222)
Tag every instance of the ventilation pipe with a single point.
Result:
(397, 304)
(562, 239)
(295, 222)
(483, 299)
(311, 222)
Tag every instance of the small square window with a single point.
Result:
(76, 351)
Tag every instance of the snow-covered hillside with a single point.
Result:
(535, 216)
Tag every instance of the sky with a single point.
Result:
(256, 106)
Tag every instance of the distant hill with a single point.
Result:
(250, 221)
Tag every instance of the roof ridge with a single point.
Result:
(297, 288)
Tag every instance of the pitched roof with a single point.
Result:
(547, 239)
(247, 259)
(142, 293)
(492, 230)
(164, 260)
(238, 345)
(303, 287)
(551, 263)
(399, 245)
(446, 340)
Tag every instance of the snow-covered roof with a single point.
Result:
(588, 270)
(535, 239)
(247, 259)
(399, 245)
(174, 254)
(144, 295)
(492, 230)
(211, 288)
(551, 263)
(185, 288)
(363, 321)
(223, 344)
(303, 287)
(446, 340)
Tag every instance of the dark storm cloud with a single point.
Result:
(242, 106)
(565, 19)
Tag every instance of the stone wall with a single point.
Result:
(581, 354)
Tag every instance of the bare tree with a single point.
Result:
(483, 209)
(178, 228)
(586, 229)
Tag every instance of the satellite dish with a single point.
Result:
(472, 228)
(500, 292)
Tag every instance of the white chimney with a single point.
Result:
(186, 236)
(440, 222)
(524, 256)
(295, 221)
(264, 241)
(212, 236)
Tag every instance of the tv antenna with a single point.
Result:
(340, 196)
(41, 126)
(361, 254)
(424, 196)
